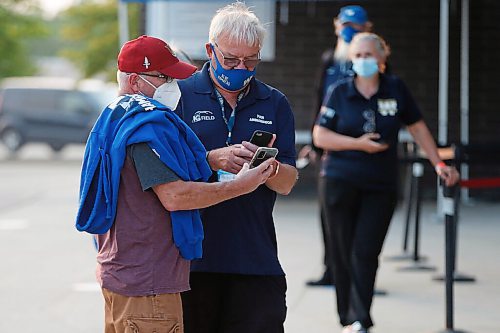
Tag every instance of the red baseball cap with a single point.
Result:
(147, 54)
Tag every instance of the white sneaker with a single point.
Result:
(347, 329)
(355, 327)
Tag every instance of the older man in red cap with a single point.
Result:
(143, 179)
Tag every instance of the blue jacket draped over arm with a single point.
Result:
(133, 119)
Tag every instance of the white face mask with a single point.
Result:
(167, 94)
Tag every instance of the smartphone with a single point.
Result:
(261, 138)
(262, 154)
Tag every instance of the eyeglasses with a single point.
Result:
(160, 76)
(233, 62)
(369, 125)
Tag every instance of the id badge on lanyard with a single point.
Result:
(232, 118)
(224, 176)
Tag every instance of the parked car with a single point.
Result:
(56, 111)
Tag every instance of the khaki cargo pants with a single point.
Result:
(143, 314)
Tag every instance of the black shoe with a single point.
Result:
(379, 292)
(324, 281)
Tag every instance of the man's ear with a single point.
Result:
(208, 49)
(133, 82)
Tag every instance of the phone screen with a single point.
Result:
(262, 154)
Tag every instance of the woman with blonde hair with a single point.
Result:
(358, 129)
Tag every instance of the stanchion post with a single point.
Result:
(411, 186)
(459, 160)
(457, 277)
(448, 210)
(409, 191)
(449, 194)
(418, 173)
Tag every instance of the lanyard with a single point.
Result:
(232, 118)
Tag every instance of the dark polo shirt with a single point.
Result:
(137, 256)
(347, 112)
(239, 233)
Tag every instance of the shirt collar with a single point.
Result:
(383, 88)
(203, 83)
(351, 89)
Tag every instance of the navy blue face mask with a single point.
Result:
(347, 33)
(231, 79)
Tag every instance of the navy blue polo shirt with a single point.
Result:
(347, 112)
(337, 71)
(239, 233)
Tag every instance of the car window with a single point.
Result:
(73, 101)
(29, 99)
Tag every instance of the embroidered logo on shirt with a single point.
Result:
(331, 70)
(387, 107)
(261, 119)
(202, 116)
(327, 112)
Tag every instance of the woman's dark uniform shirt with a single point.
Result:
(349, 113)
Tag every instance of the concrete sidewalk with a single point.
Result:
(48, 284)
(414, 301)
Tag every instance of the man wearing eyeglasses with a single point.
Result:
(238, 285)
(143, 178)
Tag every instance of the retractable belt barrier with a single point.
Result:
(481, 183)
(486, 154)
(413, 194)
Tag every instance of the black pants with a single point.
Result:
(328, 247)
(233, 303)
(357, 223)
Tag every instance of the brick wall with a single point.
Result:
(412, 30)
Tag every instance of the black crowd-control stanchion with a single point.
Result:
(408, 195)
(457, 277)
(449, 211)
(417, 265)
(410, 191)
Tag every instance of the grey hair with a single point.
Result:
(121, 78)
(238, 23)
(380, 44)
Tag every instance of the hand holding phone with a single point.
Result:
(262, 154)
(381, 141)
